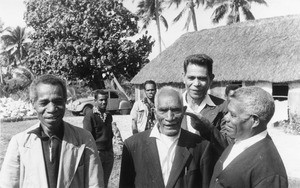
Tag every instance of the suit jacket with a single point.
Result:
(79, 164)
(140, 165)
(259, 166)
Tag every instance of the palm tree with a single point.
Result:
(16, 44)
(149, 10)
(235, 7)
(190, 4)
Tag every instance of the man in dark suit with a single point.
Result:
(253, 161)
(166, 156)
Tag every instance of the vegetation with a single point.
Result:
(190, 4)
(235, 7)
(85, 40)
(149, 10)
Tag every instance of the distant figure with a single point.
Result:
(142, 112)
(51, 153)
(166, 156)
(253, 161)
(99, 122)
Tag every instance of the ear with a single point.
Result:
(256, 121)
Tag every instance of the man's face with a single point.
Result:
(50, 105)
(101, 102)
(150, 91)
(197, 81)
(239, 119)
(169, 113)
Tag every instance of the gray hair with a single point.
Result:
(256, 101)
(47, 79)
(165, 89)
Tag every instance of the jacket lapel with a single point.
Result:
(70, 157)
(219, 166)
(34, 158)
(182, 155)
(152, 161)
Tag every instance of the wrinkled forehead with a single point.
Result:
(169, 99)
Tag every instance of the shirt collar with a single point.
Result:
(156, 134)
(252, 140)
(42, 135)
(207, 100)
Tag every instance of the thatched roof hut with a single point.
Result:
(259, 50)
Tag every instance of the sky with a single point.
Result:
(11, 13)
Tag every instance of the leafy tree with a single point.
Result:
(149, 10)
(235, 6)
(15, 45)
(85, 40)
(190, 4)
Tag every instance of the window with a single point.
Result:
(280, 91)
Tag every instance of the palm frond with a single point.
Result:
(219, 13)
(213, 3)
(259, 2)
(178, 17)
(248, 14)
(176, 2)
(164, 21)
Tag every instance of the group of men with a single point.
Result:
(179, 140)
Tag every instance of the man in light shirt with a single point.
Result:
(253, 161)
(166, 156)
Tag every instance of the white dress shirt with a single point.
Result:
(166, 146)
(241, 146)
(186, 122)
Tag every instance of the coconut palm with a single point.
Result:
(190, 4)
(235, 7)
(15, 44)
(149, 10)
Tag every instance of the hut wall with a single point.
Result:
(265, 85)
(294, 101)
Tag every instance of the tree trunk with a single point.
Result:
(193, 15)
(158, 25)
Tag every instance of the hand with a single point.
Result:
(198, 120)
(229, 130)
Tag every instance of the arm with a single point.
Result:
(210, 132)
(10, 171)
(134, 114)
(274, 181)
(127, 173)
(93, 166)
(87, 122)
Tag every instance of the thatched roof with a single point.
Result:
(259, 50)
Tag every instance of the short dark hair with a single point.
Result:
(99, 92)
(47, 79)
(231, 87)
(200, 60)
(149, 82)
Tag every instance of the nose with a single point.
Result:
(226, 117)
(51, 107)
(170, 115)
(197, 82)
